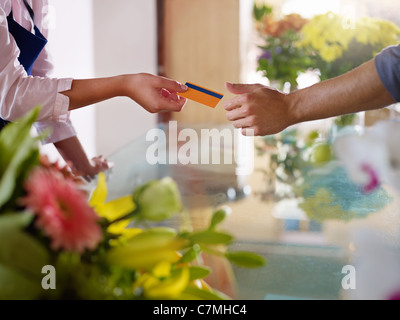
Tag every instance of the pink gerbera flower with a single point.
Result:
(62, 211)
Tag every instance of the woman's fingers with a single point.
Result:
(171, 85)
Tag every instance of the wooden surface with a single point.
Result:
(202, 46)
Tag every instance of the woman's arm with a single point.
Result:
(153, 93)
(266, 111)
(73, 153)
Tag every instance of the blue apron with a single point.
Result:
(29, 44)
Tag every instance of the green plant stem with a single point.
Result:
(129, 216)
(212, 251)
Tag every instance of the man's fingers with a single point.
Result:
(242, 123)
(235, 103)
(236, 114)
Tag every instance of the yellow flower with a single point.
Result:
(113, 210)
(328, 35)
(331, 53)
(147, 249)
(170, 287)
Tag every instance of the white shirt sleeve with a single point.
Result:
(20, 92)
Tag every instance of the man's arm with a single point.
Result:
(359, 90)
(268, 111)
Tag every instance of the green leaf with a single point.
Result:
(16, 221)
(22, 253)
(218, 217)
(16, 148)
(211, 237)
(21, 259)
(191, 254)
(246, 259)
(14, 134)
(147, 249)
(15, 286)
(197, 272)
(259, 11)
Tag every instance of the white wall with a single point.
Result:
(125, 42)
(97, 38)
(72, 51)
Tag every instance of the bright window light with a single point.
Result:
(310, 8)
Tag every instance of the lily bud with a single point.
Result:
(158, 200)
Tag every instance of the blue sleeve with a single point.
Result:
(388, 66)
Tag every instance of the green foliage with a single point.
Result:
(346, 120)
(261, 10)
(218, 217)
(246, 259)
(287, 160)
(191, 254)
(22, 258)
(283, 60)
(197, 272)
(19, 154)
(211, 237)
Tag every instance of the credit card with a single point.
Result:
(202, 95)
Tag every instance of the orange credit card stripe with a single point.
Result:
(202, 95)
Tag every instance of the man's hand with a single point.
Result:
(258, 110)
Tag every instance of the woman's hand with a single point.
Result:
(94, 167)
(74, 155)
(154, 93)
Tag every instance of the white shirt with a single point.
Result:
(20, 92)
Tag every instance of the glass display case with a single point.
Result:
(330, 241)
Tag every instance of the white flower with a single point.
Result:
(377, 262)
(372, 158)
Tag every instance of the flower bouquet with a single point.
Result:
(328, 44)
(281, 59)
(58, 241)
